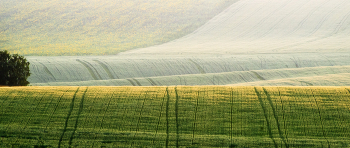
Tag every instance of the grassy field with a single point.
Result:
(95, 27)
(222, 42)
(206, 116)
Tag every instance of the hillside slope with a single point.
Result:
(182, 70)
(268, 35)
(310, 76)
(268, 26)
(95, 27)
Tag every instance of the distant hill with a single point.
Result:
(260, 69)
(268, 26)
(94, 27)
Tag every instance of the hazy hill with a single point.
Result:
(86, 27)
(266, 42)
(268, 26)
(320, 69)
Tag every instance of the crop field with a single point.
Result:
(175, 116)
(246, 42)
(95, 27)
(178, 73)
(330, 69)
(267, 26)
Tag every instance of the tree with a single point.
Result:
(14, 69)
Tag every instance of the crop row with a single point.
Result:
(213, 116)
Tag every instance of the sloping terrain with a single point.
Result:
(180, 70)
(315, 76)
(206, 116)
(237, 47)
(95, 27)
(268, 26)
(341, 79)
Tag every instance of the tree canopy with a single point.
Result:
(14, 69)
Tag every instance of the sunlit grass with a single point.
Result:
(206, 116)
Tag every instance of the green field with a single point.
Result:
(178, 73)
(205, 116)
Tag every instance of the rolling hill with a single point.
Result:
(206, 116)
(247, 45)
(95, 27)
(268, 26)
(271, 36)
(247, 36)
(172, 70)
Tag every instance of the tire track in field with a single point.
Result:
(321, 120)
(177, 117)
(91, 71)
(325, 17)
(109, 73)
(195, 118)
(301, 96)
(347, 104)
(231, 113)
(340, 24)
(139, 119)
(200, 69)
(266, 118)
(262, 21)
(320, 38)
(131, 82)
(258, 75)
(335, 102)
(103, 117)
(167, 118)
(301, 23)
(77, 119)
(48, 71)
(240, 23)
(160, 115)
(241, 108)
(276, 117)
(68, 115)
(94, 122)
(283, 113)
(276, 24)
(57, 104)
(137, 82)
(151, 81)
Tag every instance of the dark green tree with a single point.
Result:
(14, 69)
